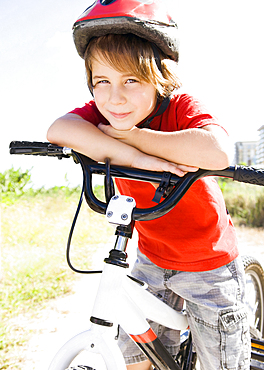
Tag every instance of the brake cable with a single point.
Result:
(70, 238)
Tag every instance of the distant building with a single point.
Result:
(260, 149)
(246, 152)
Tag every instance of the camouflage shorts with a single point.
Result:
(215, 308)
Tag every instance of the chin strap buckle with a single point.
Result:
(164, 187)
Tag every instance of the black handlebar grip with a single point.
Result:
(37, 148)
(28, 147)
(249, 175)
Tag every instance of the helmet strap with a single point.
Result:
(165, 102)
(156, 56)
(163, 106)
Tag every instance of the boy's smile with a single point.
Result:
(123, 99)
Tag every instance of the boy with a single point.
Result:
(138, 119)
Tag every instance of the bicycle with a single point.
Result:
(124, 293)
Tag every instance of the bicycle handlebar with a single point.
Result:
(181, 184)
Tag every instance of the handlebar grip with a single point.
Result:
(249, 175)
(37, 148)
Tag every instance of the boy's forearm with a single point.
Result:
(207, 148)
(74, 132)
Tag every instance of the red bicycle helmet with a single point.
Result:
(145, 18)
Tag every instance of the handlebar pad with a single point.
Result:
(249, 175)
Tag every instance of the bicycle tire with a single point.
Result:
(80, 367)
(254, 295)
(94, 364)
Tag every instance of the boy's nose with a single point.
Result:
(117, 96)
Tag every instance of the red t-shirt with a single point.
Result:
(198, 234)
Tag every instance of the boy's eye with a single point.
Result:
(131, 80)
(102, 82)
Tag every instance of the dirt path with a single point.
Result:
(67, 316)
(251, 242)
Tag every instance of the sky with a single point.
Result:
(42, 77)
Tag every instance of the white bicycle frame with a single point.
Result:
(119, 301)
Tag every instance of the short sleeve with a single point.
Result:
(90, 113)
(191, 113)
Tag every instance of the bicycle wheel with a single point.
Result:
(254, 295)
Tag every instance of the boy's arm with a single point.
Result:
(207, 147)
(73, 131)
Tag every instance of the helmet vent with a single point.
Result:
(107, 2)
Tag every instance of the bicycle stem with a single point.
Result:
(118, 256)
(121, 243)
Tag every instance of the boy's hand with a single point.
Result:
(126, 136)
(148, 162)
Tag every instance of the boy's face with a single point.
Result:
(123, 99)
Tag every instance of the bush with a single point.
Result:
(244, 202)
(13, 182)
(256, 217)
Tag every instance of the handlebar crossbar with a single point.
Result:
(180, 184)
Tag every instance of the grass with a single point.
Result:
(34, 270)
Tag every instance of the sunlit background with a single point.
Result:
(42, 77)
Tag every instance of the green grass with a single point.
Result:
(35, 229)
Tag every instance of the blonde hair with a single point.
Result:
(127, 52)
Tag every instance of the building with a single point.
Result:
(260, 149)
(246, 152)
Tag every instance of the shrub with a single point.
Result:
(13, 182)
(256, 217)
(244, 202)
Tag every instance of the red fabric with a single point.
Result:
(197, 235)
